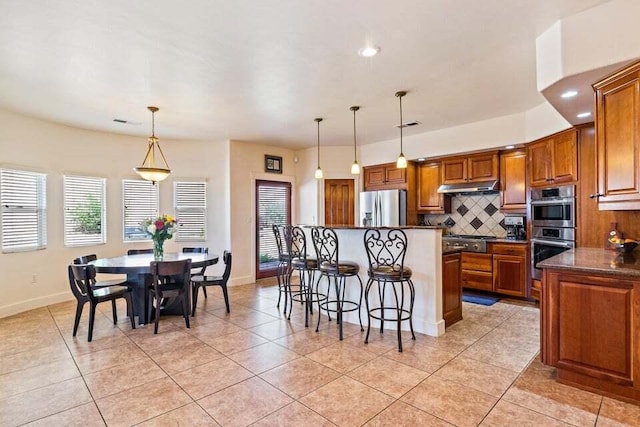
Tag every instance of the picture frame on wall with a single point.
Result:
(272, 164)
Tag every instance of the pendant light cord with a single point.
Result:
(401, 151)
(355, 155)
(318, 143)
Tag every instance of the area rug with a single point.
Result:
(479, 299)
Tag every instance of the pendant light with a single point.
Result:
(401, 163)
(318, 171)
(149, 170)
(355, 167)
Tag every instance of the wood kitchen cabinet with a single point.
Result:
(385, 177)
(618, 139)
(451, 289)
(513, 181)
(477, 271)
(553, 160)
(473, 168)
(429, 179)
(510, 269)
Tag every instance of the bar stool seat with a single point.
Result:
(301, 263)
(345, 268)
(386, 272)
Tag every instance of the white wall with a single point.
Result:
(247, 166)
(56, 149)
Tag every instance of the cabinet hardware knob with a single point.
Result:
(596, 195)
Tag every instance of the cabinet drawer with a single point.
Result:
(477, 280)
(478, 262)
(507, 249)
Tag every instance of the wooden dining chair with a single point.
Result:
(139, 251)
(171, 279)
(197, 271)
(82, 280)
(86, 259)
(204, 281)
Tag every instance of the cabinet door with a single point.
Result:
(374, 177)
(429, 200)
(454, 171)
(513, 181)
(451, 289)
(538, 154)
(482, 167)
(618, 141)
(564, 157)
(510, 275)
(394, 175)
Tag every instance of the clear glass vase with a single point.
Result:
(158, 250)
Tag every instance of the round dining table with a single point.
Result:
(138, 271)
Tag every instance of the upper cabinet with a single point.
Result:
(385, 176)
(554, 160)
(429, 179)
(473, 168)
(618, 140)
(513, 184)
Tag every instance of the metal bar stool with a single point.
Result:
(325, 242)
(386, 249)
(284, 262)
(306, 267)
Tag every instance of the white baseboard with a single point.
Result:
(19, 307)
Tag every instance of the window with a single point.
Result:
(140, 202)
(273, 207)
(23, 196)
(190, 201)
(84, 211)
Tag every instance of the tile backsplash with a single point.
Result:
(477, 214)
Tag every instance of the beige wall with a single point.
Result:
(56, 149)
(247, 166)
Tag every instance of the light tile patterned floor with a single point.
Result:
(253, 366)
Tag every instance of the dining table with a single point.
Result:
(138, 270)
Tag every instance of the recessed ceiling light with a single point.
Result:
(421, 159)
(569, 94)
(583, 115)
(509, 147)
(369, 51)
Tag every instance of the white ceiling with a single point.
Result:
(263, 70)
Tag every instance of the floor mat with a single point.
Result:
(479, 299)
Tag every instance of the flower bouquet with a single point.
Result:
(160, 229)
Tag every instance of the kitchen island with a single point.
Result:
(590, 320)
(424, 257)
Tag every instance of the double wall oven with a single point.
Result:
(553, 220)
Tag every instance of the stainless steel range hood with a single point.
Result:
(470, 187)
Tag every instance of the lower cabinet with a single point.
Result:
(451, 289)
(477, 271)
(502, 270)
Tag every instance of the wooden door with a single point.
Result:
(395, 176)
(273, 206)
(451, 289)
(374, 177)
(513, 182)
(618, 139)
(538, 154)
(482, 167)
(454, 171)
(429, 176)
(564, 157)
(339, 202)
(510, 275)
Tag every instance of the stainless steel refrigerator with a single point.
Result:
(387, 208)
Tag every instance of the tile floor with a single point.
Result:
(254, 367)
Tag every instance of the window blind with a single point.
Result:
(84, 211)
(273, 208)
(140, 202)
(190, 202)
(24, 210)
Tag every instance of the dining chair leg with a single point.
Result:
(185, 310)
(114, 311)
(149, 307)
(194, 295)
(78, 316)
(157, 315)
(127, 298)
(204, 290)
(92, 316)
(226, 297)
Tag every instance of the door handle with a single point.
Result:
(596, 195)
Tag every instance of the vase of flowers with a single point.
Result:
(160, 229)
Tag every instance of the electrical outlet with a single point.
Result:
(34, 279)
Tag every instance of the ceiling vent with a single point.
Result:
(408, 124)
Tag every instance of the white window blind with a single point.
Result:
(190, 201)
(23, 196)
(274, 199)
(140, 202)
(84, 211)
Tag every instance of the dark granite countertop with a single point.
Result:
(598, 261)
(515, 242)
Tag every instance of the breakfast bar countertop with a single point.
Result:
(596, 261)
